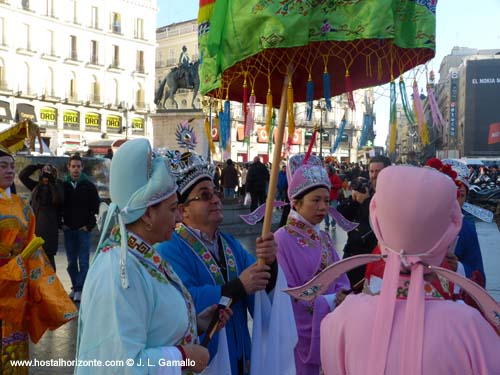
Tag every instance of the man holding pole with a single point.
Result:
(213, 264)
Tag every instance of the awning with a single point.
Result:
(25, 111)
(5, 114)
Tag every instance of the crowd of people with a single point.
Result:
(167, 284)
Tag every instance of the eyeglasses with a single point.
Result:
(204, 196)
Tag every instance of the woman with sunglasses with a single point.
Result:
(135, 311)
(304, 250)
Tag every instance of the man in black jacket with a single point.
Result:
(81, 204)
(257, 180)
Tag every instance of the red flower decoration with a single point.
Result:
(156, 259)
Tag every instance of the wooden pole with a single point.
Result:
(266, 228)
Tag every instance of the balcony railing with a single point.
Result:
(95, 99)
(139, 69)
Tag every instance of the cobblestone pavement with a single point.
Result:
(61, 343)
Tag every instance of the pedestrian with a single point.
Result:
(229, 179)
(213, 264)
(81, 204)
(257, 180)
(336, 186)
(32, 299)
(47, 197)
(282, 186)
(134, 308)
(409, 328)
(304, 250)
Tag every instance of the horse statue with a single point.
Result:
(178, 78)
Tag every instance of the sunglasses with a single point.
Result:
(204, 196)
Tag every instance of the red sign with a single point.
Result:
(494, 136)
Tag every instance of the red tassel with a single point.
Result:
(348, 87)
(311, 145)
(245, 106)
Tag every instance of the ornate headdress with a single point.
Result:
(131, 194)
(4, 151)
(190, 169)
(304, 176)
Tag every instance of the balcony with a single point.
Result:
(51, 56)
(115, 67)
(95, 100)
(26, 51)
(72, 59)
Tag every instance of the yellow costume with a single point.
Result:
(32, 299)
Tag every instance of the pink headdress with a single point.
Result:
(303, 176)
(414, 237)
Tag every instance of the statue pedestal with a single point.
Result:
(165, 126)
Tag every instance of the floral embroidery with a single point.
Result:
(206, 257)
(35, 274)
(51, 279)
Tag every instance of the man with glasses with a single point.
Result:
(213, 264)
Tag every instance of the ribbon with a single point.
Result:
(253, 217)
(342, 222)
(437, 117)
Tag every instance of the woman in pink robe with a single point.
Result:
(303, 251)
(409, 328)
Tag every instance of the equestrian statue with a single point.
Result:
(183, 76)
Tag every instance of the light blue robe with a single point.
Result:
(142, 323)
(205, 292)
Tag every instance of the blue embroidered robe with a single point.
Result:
(205, 290)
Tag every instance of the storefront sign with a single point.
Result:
(48, 117)
(93, 122)
(113, 124)
(71, 120)
(137, 125)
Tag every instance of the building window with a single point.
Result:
(2, 32)
(94, 22)
(139, 67)
(95, 91)
(116, 23)
(116, 57)
(49, 83)
(3, 82)
(49, 8)
(25, 4)
(94, 52)
(139, 98)
(51, 49)
(139, 28)
(75, 11)
(73, 54)
(72, 88)
(26, 37)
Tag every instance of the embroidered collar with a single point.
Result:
(159, 269)
(375, 286)
(206, 257)
(298, 217)
(6, 194)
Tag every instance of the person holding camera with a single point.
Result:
(361, 240)
(47, 196)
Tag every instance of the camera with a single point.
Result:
(361, 185)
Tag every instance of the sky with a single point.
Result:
(463, 23)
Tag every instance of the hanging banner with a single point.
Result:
(48, 117)
(453, 103)
(93, 122)
(215, 134)
(262, 136)
(113, 124)
(240, 133)
(138, 125)
(71, 120)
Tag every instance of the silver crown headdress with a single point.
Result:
(189, 168)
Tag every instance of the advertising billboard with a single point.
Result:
(482, 108)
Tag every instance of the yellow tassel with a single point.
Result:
(393, 137)
(291, 118)
(216, 124)
(208, 132)
(34, 244)
(424, 134)
(269, 111)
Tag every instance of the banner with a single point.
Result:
(113, 124)
(137, 125)
(48, 117)
(494, 135)
(93, 122)
(71, 120)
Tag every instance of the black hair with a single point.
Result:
(381, 159)
(307, 191)
(76, 157)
